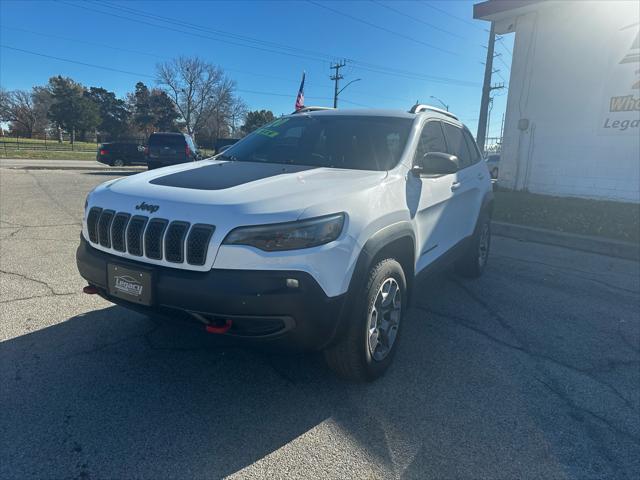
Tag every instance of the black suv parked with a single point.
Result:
(169, 149)
(118, 154)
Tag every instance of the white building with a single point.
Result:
(572, 125)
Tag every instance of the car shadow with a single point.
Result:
(111, 393)
(114, 394)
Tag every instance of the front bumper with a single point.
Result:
(259, 304)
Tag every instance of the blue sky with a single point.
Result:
(401, 50)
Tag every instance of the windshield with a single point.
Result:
(337, 141)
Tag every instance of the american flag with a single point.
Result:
(300, 97)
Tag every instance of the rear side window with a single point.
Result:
(472, 146)
(431, 140)
(175, 141)
(457, 145)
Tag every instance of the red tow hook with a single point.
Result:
(90, 289)
(219, 328)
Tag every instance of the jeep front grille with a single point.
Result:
(134, 235)
(174, 241)
(104, 226)
(118, 228)
(197, 243)
(92, 223)
(155, 238)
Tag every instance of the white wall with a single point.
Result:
(565, 68)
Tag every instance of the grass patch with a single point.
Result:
(47, 155)
(615, 220)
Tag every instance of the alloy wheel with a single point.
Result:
(384, 319)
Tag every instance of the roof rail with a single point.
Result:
(419, 107)
(311, 109)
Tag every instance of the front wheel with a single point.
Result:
(371, 338)
(474, 260)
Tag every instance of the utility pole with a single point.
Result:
(486, 90)
(336, 78)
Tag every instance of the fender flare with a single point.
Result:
(366, 258)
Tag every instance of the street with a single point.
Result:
(532, 371)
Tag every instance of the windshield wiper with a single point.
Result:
(222, 156)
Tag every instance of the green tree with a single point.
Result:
(141, 106)
(256, 119)
(71, 108)
(114, 115)
(165, 116)
(153, 110)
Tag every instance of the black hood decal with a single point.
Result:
(226, 175)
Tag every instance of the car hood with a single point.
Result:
(235, 188)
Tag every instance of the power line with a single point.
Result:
(139, 52)
(406, 15)
(222, 33)
(384, 29)
(428, 5)
(77, 62)
(150, 54)
(102, 67)
(365, 66)
(503, 62)
(501, 40)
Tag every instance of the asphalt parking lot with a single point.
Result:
(533, 371)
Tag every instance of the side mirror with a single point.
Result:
(437, 163)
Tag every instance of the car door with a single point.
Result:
(429, 199)
(469, 179)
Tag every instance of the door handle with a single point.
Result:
(455, 186)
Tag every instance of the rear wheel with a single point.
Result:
(474, 259)
(370, 342)
(118, 163)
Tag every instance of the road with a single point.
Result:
(532, 371)
(19, 163)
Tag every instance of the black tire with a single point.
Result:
(474, 260)
(352, 358)
(151, 165)
(117, 163)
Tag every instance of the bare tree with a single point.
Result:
(22, 110)
(197, 88)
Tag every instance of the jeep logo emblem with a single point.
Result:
(147, 207)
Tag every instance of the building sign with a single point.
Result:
(621, 103)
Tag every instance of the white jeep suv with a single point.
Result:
(309, 232)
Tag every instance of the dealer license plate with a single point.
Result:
(131, 285)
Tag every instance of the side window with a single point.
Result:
(457, 145)
(472, 146)
(431, 140)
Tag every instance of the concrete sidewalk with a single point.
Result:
(585, 243)
(23, 163)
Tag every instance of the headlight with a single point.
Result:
(289, 236)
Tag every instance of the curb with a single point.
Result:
(114, 170)
(585, 243)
